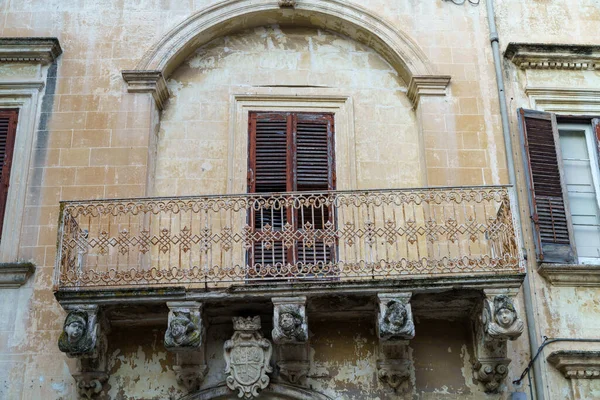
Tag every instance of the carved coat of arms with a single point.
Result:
(247, 355)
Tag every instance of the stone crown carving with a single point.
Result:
(246, 324)
(395, 321)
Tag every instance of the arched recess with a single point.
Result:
(338, 16)
(275, 391)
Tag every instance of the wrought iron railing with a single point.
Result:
(217, 241)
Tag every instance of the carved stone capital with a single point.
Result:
(395, 320)
(290, 324)
(89, 384)
(190, 376)
(247, 356)
(495, 322)
(153, 82)
(294, 371)
(575, 364)
(394, 372)
(491, 373)
(185, 331)
(427, 85)
(186, 337)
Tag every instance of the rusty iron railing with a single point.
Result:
(219, 241)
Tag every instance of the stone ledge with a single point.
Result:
(141, 81)
(266, 291)
(571, 274)
(576, 364)
(427, 85)
(14, 275)
(554, 56)
(29, 49)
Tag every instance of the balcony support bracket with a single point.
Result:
(495, 322)
(186, 337)
(290, 334)
(395, 327)
(84, 338)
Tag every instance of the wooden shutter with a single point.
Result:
(8, 129)
(547, 192)
(290, 152)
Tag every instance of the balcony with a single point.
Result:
(341, 239)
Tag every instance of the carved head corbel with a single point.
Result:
(500, 319)
(78, 337)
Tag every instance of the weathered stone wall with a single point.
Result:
(95, 140)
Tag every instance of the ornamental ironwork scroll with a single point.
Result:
(217, 241)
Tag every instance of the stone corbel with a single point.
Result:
(153, 82)
(427, 85)
(290, 334)
(496, 321)
(84, 337)
(395, 327)
(186, 337)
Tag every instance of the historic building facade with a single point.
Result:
(306, 199)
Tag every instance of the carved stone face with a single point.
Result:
(178, 329)
(74, 330)
(287, 322)
(505, 317)
(396, 315)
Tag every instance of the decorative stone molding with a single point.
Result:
(394, 372)
(576, 364)
(287, 3)
(29, 49)
(394, 327)
(395, 320)
(247, 357)
(84, 338)
(495, 322)
(431, 85)
(186, 337)
(294, 371)
(14, 275)
(289, 320)
(151, 82)
(553, 56)
(400, 50)
(571, 275)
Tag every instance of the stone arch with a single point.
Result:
(230, 16)
(275, 391)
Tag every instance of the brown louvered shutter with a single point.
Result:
(290, 152)
(596, 127)
(8, 129)
(547, 191)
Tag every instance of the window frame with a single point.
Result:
(579, 124)
(5, 171)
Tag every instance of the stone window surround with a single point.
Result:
(25, 95)
(574, 102)
(340, 105)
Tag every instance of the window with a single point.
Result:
(291, 152)
(561, 162)
(8, 128)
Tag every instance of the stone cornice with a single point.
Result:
(13, 275)
(553, 56)
(571, 274)
(576, 364)
(141, 81)
(427, 85)
(29, 49)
